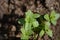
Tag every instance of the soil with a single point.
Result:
(12, 10)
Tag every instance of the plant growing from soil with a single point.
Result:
(30, 23)
(36, 23)
(52, 17)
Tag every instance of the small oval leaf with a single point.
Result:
(57, 16)
(35, 24)
(47, 25)
(49, 33)
(54, 22)
(47, 17)
(36, 15)
(41, 33)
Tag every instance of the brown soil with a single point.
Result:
(12, 10)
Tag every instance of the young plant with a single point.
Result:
(49, 18)
(52, 17)
(39, 23)
(45, 28)
(30, 23)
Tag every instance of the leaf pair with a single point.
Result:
(48, 32)
(44, 29)
(31, 18)
(25, 34)
(52, 17)
(30, 14)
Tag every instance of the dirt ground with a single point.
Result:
(12, 10)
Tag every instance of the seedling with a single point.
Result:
(30, 23)
(42, 25)
(52, 17)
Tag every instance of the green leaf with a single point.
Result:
(49, 33)
(29, 32)
(27, 19)
(47, 25)
(23, 31)
(41, 33)
(53, 17)
(32, 19)
(47, 17)
(35, 23)
(29, 16)
(36, 15)
(53, 13)
(54, 22)
(27, 26)
(57, 16)
(24, 37)
(29, 13)
(21, 21)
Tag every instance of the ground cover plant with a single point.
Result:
(13, 10)
(36, 23)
